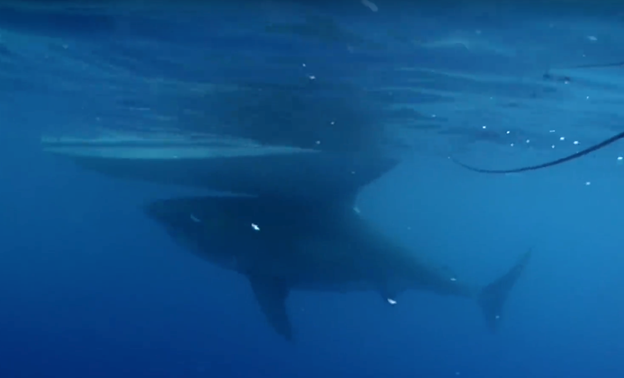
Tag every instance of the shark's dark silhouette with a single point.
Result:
(282, 245)
(552, 163)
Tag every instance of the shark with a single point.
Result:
(281, 245)
(284, 219)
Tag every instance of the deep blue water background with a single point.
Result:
(90, 288)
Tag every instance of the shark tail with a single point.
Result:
(492, 297)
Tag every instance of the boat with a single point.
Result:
(222, 164)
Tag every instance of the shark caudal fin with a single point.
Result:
(493, 296)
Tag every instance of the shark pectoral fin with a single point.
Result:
(493, 296)
(271, 295)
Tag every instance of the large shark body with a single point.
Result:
(296, 229)
(282, 245)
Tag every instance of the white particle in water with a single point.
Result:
(255, 227)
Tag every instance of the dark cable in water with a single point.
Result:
(576, 155)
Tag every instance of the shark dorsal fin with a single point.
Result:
(271, 294)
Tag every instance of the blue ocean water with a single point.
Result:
(89, 287)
